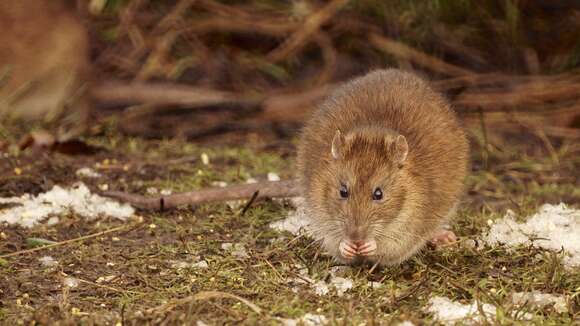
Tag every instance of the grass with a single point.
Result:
(129, 276)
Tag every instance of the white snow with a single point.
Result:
(554, 227)
(273, 176)
(71, 282)
(87, 173)
(48, 261)
(78, 199)
(296, 222)
(251, 180)
(306, 320)
(320, 287)
(194, 263)
(237, 250)
(540, 300)
(406, 323)
(219, 184)
(450, 313)
(375, 285)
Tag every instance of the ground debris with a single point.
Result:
(554, 227)
(450, 313)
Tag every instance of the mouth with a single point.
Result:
(351, 249)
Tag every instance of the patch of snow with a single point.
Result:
(450, 313)
(87, 173)
(251, 180)
(320, 287)
(220, 184)
(152, 191)
(78, 199)
(375, 285)
(306, 320)
(297, 222)
(237, 250)
(540, 300)
(273, 176)
(554, 227)
(200, 264)
(48, 261)
(406, 323)
(166, 192)
(71, 282)
(341, 285)
(235, 204)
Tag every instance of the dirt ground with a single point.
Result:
(146, 271)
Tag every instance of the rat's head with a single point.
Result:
(361, 194)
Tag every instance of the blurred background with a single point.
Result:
(223, 71)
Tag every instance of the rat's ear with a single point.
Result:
(337, 145)
(401, 149)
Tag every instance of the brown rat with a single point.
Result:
(381, 165)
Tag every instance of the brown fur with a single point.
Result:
(419, 194)
(44, 47)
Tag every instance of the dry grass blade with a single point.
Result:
(310, 26)
(405, 52)
(205, 295)
(62, 243)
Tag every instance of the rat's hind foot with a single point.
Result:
(443, 238)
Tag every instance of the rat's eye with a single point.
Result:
(343, 191)
(378, 194)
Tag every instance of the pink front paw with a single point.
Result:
(443, 238)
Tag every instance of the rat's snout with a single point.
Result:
(349, 249)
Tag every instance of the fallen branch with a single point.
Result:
(115, 92)
(280, 189)
(310, 26)
(405, 52)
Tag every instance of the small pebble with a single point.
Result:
(204, 159)
(273, 176)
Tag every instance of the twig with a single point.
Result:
(114, 92)
(309, 28)
(249, 203)
(65, 242)
(175, 14)
(205, 295)
(403, 51)
(329, 56)
(266, 189)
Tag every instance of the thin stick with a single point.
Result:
(310, 26)
(249, 203)
(65, 242)
(403, 51)
(266, 189)
(114, 92)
